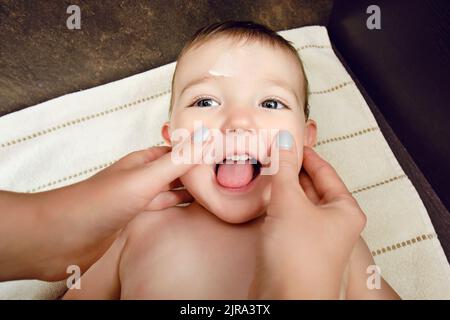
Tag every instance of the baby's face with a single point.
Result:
(248, 87)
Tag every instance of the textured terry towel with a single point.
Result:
(68, 139)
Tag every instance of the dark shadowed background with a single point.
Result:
(40, 58)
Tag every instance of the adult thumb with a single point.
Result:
(285, 156)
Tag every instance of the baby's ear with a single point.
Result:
(165, 132)
(310, 133)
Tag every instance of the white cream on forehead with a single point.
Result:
(228, 64)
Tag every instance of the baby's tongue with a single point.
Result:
(234, 175)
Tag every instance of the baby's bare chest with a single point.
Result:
(199, 264)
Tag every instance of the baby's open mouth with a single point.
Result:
(237, 171)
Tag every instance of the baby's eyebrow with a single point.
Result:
(198, 81)
(284, 85)
(277, 82)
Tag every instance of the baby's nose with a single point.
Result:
(240, 121)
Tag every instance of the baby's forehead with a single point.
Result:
(217, 46)
(246, 59)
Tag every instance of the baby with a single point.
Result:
(237, 77)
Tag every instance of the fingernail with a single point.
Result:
(285, 140)
(201, 134)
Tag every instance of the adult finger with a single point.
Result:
(169, 199)
(284, 160)
(326, 181)
(308, 187)
(138, 158)
(184, 156)
(176, 184)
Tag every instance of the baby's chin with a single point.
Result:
(231, 207)
(235, 211)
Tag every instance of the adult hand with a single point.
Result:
(309, 231)
(41, 234)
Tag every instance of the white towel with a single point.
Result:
(68, 139)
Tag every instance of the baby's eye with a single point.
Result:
(273, 104)
(204, 103)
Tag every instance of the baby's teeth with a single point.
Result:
(242, 157)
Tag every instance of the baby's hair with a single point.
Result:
(242, 30)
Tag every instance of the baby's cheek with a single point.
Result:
(266, 195)
(187, 119)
